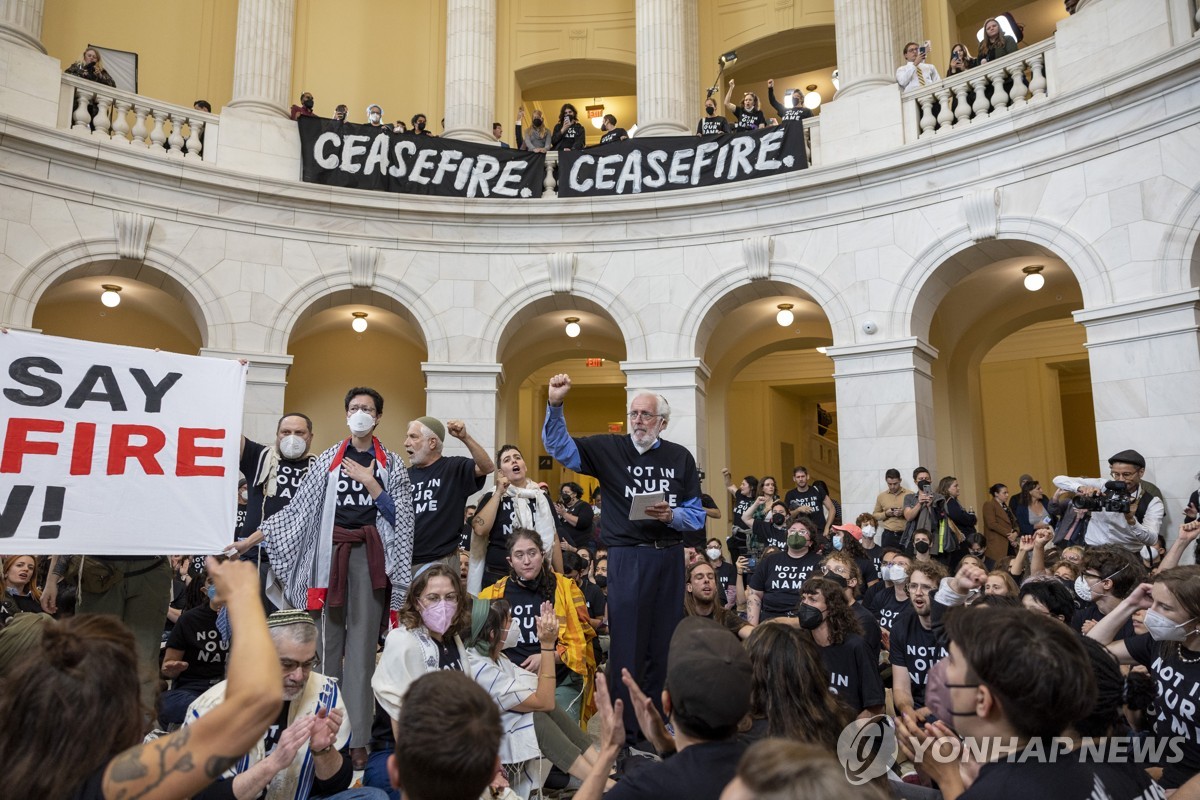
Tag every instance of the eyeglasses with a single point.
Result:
(1121, 476)
(368, 409)
(430, 599)
(643, 415)
(290, 665)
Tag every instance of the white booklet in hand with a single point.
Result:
(640, 502)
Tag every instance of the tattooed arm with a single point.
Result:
(183, 763)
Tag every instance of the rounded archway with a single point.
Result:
(534, 346)
(1011, 385)
(770, 396)
(329, 356)
(153, 311)
(609, 87)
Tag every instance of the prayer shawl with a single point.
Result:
(407, 655)
(295, 782)
(299, 537)
(540, 519)
(268, 468)
(575, 634)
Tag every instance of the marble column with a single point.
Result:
(1144, 357)
(885, 415)
(21, 22)
(266, 382)
(864, 44)
(467, 392)
(262, 64)
(667, 86)
(470, 70)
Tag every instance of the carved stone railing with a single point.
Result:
(992, 89)
(102, 112)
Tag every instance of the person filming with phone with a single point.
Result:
(569, 133)
(916, 73)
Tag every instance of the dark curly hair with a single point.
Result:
(838, 616)
(410, 610)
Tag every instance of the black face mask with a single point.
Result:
(921, 547)
(809, 618)
(537, 122)
(978, 553)
(421, 126)
(566, 499)
(777, 520)
(601, 581)
(307, 103)
(710, 110)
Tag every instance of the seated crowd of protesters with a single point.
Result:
(1052, 622)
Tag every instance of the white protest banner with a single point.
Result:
(119, 451)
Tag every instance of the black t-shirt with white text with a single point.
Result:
(502, 528)
(615, 135)
(196, 635)
(712, 126)
(573, 137)
(726, 577)
(882, 602)
(779, 577)
(749, 120)
(448, 655)
(795, 114)
(259, 506)
(1091, 612)
(355, 506)
(811, 497)
(1178, 699)
(439, 492)
(763, 535)
(866, 566)
(623, 471)
(740, 503)
(526, 606)
(916, 649)
(854, 673)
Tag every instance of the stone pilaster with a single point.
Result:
(885, 415)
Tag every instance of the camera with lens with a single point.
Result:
(1116, 498)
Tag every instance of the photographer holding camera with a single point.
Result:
(1121, 510)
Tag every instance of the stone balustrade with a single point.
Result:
(161, 129)
(986, 91)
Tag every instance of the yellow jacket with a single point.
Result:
(575, 634)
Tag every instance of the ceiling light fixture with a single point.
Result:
(572, 327)
(596, 115)
(812, 98)
(1034, 279)
(359, 323)
(111, 296)
(785, 316)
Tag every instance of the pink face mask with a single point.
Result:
(438, 616)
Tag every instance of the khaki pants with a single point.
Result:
(140, 601)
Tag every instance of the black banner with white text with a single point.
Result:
(365, 157)
(657, 164)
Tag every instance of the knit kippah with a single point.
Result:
(434, 425)
(282, 619)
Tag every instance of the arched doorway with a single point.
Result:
(330, 357)
(153, 310)
(1011, 384)
(535, 346)
(770, 397)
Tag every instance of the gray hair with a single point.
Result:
(298, 632)
(662, 407)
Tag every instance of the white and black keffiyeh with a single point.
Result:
(299, 537)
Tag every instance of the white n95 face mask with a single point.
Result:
(360, 422)
(292, 446)
(512, 638)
